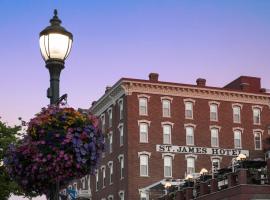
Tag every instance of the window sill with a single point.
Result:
(143, 114)
(144, 176)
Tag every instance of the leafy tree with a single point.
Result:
(7, 135)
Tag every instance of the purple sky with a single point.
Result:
(180, 40)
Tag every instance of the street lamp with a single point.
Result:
(203, 172)
(55, 44)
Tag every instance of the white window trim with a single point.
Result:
(237, 105)
(193, 103)
(120, 101)
(189, 100)
(214, 102)
(166, 98)
(172, 158)
(119, 126)
(215, 126)
(170, 102)
(148, 124)
(97, 179)
(110, 165)
(167, 123)
(241, 130)
(143, 96)
(110, 197)
(103, 167)
(168, 154)
(190, 125)
(260, 108)
(191, 156)
(238, 128)
(194, 127)
(259, 131)
(216, 157)
(144, 121)
(108, 112)
(119, 158)
(120, 193)
(217, 136)
(144, 153)
(257, 106)
(110, 134)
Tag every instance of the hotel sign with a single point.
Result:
(200, 150)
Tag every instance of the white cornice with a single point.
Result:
(127, 87)
(131, 86)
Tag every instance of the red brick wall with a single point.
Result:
(202, 136)
(132, 181)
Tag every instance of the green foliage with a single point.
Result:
(7, 136)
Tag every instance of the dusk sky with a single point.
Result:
(180, 40)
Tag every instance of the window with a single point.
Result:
(188, 110)
(237, 114)
(110, 117)
(258, 140)
(110, 142)
(121, 195)
(167, 129)
(189, 135)
(143, 165)
(121, 109)
(121, 133)
(215, 164)
(166, 108)
(214, 137)
(75, 186)
(121, 160)
(213, 112)
(167, 166)
(83, 182)
(97, 180)
(102, 123)
(142, 106)
(103, 169)
(256, 115)
(110, 197)
(143, 132)
(144, 196)
(110, 165)
(237, 139)
(190, 165)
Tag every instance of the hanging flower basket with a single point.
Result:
(61, 144)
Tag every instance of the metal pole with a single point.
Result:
(55, 68)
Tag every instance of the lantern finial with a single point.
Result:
(55, 21)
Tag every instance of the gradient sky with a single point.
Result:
(180, 40)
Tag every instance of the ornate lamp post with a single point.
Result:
(55, 45)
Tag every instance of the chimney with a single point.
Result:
(201, 82)
(107, 89)
(244, 87)
(153, 77)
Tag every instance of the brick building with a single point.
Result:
(160, 130)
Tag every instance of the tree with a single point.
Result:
(7, 136)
